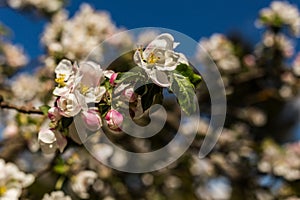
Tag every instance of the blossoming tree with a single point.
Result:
(53, 117)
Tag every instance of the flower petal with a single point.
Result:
(160, 78)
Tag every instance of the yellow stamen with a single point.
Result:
(2, 190)
(152, 58)
(84, 89)
(61, 80)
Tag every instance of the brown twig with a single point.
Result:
(21, 109)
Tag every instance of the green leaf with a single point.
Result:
(133, 75)
(184, 91)
(187, 71)
(44, 109)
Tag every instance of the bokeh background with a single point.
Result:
(257, 155)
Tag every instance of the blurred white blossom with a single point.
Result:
(56, 195)
(25, 87)
(296, 65)
(77, 37)
(282, 161)
(50, 141)
(279, 41)
(12, 181)
(281, 13)
(14, 55)
(82, 181)
(43, 5)
(220, 50)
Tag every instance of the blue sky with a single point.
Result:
(194, 18)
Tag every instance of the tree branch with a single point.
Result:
(21, 109)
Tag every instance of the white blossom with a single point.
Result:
(296, 65)
(159, 58)
(279, 41)
(12, 181)
(25, 87)
(80, 36)
(14, 55)
(65, 77)
(220, 50)
(82, 181)
(51, 140)
(48, 6)
(78, 86)
(87, 84)
(281, 13)
(56, 195)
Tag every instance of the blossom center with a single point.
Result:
(2, 190)
(84, 89)
(152, 59)
(61, 80)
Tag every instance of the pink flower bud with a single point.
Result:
(113, 78)
(53, 114)
(114, 119)
(129, 94)
(91, 119)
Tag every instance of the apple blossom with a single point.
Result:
(129, 94)
(65, 75)
(12, 181)
(68, 105)
(53, 114)
(113, 78)
(114, 119)
(56, 195)
(25, 87)
(45, 6)
(51, 140)
(87, 84)
(82, 181)
(221, 50)
(92, 119)
(159, 58)
(14, 55)
(281, 13)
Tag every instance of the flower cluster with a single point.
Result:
(86, 91)
(92, 27)
(79, 89)
(82, 181)
(278, 41)
(12, 181)
(281, 13)
(56, 195)
(42, 5)
(221, 51)
(281, 161)
(12, 57)
(24, 91)
(158, 58)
